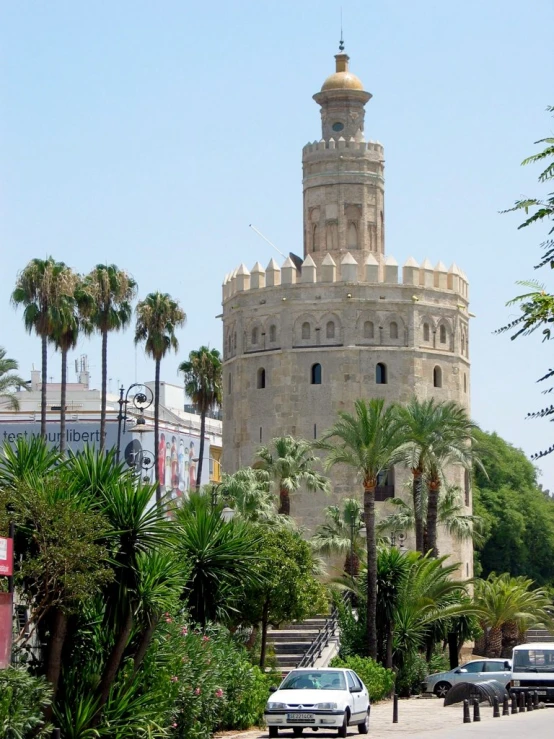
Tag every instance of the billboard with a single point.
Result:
(78, 434)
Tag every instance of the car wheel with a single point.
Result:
(363, 728)
(442, 688)
(273, 732)
(297, 731)
(343, 731)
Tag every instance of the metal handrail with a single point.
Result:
(323, 638)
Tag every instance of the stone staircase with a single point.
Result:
(291, 642)
(539, 635)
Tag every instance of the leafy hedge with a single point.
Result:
(378, 680)
(22, 701)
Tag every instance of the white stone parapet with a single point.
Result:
(425, 276)
(342, 143)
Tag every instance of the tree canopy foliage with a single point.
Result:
(518, 516)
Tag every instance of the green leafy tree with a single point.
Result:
(105, 301)
(291, 464)
(38, 288)
(366, 442)
(10, 383)
(341, 533)
(202, 373)
(286, 588)
(158, 316)
(537, 304)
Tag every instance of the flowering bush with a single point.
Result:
(215, 685)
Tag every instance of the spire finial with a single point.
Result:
(341, 42)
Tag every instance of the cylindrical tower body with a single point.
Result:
(302, 344)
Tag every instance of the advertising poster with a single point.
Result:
(6, 557)
(78, 434)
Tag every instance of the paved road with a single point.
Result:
(428, 719)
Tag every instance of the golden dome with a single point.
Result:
(342, 79)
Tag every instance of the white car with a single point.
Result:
(318, 699)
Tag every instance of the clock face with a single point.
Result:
(337, 126)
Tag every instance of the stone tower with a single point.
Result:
(304, 340)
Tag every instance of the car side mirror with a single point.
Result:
(507, 666)
(459, 671)
(273, 689)
(354, 689)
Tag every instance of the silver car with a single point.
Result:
(476, 671)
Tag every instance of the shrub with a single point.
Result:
(378, 680)
(439, 662)
(410, 675)
(23, 699)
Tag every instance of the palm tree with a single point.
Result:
(291, 463)
(341, 534)
(37, 288)
(158, 315)
(451, 515)
(508, 605)
(105, 301)
(249, 489)
(64, 335)
(10, 383)
(368, 443)
(202, 374)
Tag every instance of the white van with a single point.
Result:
(533, 670)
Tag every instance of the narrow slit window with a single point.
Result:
(381, 373)
(467, 487)
(315, 430)
(437, 377)
(369, 330)
(465, 383)
(442, 334)
(261, 379)
(230, 384)
(393, 330)
(316, 374)
(273, 333)
(306, 330)
(330, 329)
(261, 435)
(254, 335)
(425, 332)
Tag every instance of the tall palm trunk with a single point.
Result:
(144, 642)
(201, 451)
(284, 502)
(63, 395)
(352, 564)
(44, 370)
(416, 495)
(55, 647)
(265, 623)
(157, 432)
(369, 518)
(104, 389)
(493, 647)
(432, 515)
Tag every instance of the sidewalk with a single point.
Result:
(427, 718)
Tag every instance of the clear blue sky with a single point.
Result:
(150, 134)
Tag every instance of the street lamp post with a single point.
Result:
(141, 400)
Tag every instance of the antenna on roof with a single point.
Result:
(266, 239)
(341, 42)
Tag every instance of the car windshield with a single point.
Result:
(318, 680)
(534, 660)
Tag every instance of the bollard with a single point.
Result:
(476, 710)
(467, 717)
(505, 706)
(522, 702)
(536, 698)
(395, 708)
(496, 708)
(530, 701)
(514, 703)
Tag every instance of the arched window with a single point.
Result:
(315, 238)
(368, 330)
(425, 332)
(273, 333)
(316, 374)
(437, 377)
(254, 335)
(465, 383)
(393, 330)
(305, 330)
(381, 374)
(330, 329)
(442, 334)
(352, 236)
(230, 384)
(261, 379)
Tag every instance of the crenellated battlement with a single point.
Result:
(355, 145)
(423, 275)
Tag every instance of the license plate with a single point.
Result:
(541, 692)
(300, 717)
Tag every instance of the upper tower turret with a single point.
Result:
(342, 100)
(343, 176)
